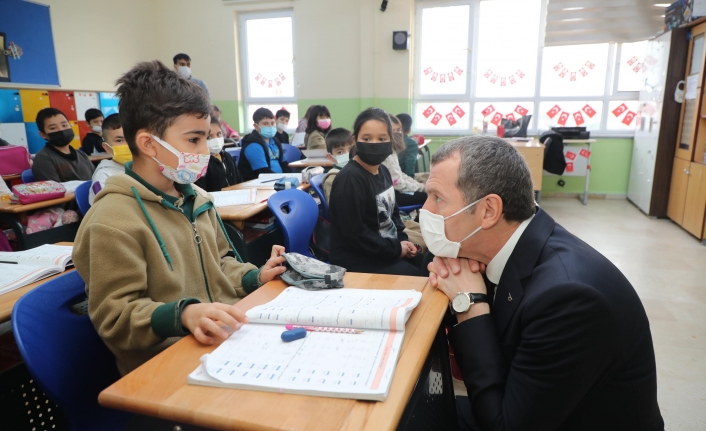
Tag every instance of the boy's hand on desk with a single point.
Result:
(200, 320)
(273, 267)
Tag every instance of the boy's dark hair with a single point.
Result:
(92, 114)
(152, 96)
(261, 113)
(369, 114)
(406, 121)
(216, 108)
(214, 119)
(397, 140)
(112, 122)
(338, 138)
(45, 114)
(181, 56)
(282, 113)
(311, 124)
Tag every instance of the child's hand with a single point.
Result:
(273, 267)
(200, 320)
(409, 250)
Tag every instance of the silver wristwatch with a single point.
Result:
(463, 300)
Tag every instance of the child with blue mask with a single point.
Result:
(262, 152)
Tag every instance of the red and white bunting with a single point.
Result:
(570, 155)
(578, 118)
(436, 118)
(552, 112)
(589, 111)
(427, 112)
(584, 153)
(562, 118)
(458, 111)
(263, 80)
(442, 76)
(620, 109)
(487, 111)
(450, 118)
(569, 167)
(521, 110)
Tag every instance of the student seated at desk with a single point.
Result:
(282, 118)
(222, 171)
(93, 141)
(408, 191)
(262, 152)
(368, 234)
(318, 125)
(156, 260)
(339, 144)
(58, 161)
(115, 144)
(228, 131)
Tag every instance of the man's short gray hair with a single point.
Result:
(490, 165)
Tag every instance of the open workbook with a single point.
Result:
(21, 268)
(358, 366)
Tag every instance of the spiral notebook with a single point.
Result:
(357, 366)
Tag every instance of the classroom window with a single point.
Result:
(632, 56)
(444, 53)
(507, 48)
(586, 114)
(442, 116)
(491, 113)
(574, 70)
(622, 115)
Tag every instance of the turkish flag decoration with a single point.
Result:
(450, 118)
(451, 76)
(520, 73)
(552, 112)
(620, 109)
(442, 78)
(583, 72)
(278, 82)
(563, 73)
(520, 110)
(427, 71)
(488, 73)
(589, 65)
(562, 118)
(435, 120)
(458, 70)
(258, 77)
(589, 111)
(458, 111)
(493, 79)
(434, 76)
(281, 76)
(487, 111)
(269, 84)
(573, 76)
(584, 153)
(558, 66)
(510, 116)
(512, 79)
(628, 118)
(427, 112)
(502, 82)
(570, 155)
(497, 118)
(569, 167)
(632, 61)
(578, 118)
(262, 82)
(636, 68)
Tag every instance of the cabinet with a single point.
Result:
(33, 101)
(657, 122)
(85, 100)
(64, 102)
(10, 106)
(695, 203)
(677, 195)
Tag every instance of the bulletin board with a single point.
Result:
(28, 26)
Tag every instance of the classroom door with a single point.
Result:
(677, 190)
(64, 102)
(33, 101)
(10, 106)
(695, 206)
(690, 118)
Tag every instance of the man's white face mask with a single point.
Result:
(434, 232)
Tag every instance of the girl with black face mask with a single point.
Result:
(368, 234)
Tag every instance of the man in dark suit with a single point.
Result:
(552, 336)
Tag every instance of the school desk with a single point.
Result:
(301, 164)
(7, 300)
(98, 157)
(421, 394)
(11, 214)
(533, 152)
(425, 146)
(237, 214)
(8, 178)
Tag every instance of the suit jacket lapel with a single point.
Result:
(510, 292)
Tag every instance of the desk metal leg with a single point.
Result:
(432, 405)
(584, 200)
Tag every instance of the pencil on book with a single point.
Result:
(326, 329)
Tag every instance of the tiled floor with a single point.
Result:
(667, 267)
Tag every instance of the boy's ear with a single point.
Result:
(107, 148)
(256, 126)
(145, 143)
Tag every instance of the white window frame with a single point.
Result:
(610, 93)
(246, 80)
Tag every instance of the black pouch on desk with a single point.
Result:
(311, 274)
(286, 183)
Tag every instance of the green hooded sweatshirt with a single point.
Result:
(144, 256)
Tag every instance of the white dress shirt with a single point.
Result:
(497, 265)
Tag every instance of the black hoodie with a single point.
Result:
(244, 167)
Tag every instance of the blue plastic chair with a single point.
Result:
(64, 354)
(317, 183)
(297, 213)
(235, 152)
(81, 196)
(291, 153)
(27, 176)
(408, 209)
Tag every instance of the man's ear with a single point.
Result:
(145, 143)
(491, 209)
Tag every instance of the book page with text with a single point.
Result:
(45, 255)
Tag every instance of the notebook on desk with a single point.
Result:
(18, 269)
(357, 366)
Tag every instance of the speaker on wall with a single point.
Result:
(400, 40)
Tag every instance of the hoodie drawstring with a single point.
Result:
(162, 246)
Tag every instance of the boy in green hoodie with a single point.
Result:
(153, 252)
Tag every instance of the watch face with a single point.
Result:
(461, 303)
